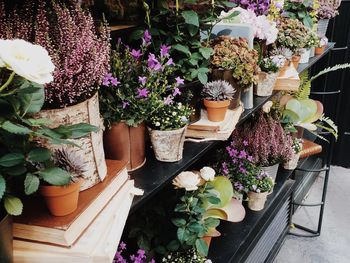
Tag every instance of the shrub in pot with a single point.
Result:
(282, 52)
(217, 95)
(321, 45)
(326, 11)
(292, 163)
(259, 188)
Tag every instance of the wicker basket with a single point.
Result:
(91, 146)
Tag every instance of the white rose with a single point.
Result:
(267, 106)
(187, 180)
(207, 173)
(29, 61)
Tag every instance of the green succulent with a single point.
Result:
(218, 90)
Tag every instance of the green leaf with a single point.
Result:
(32, 98)
(173, 245)
(39, 155)
(55, 176)
(203, 77)
(179, 222)
(31, 184)
(229, 4)
(182, 48)
(195, 227)
(214, 200)
(202, 247)
(15, 170)
(190, 17)
(181, 235)
(144, 243)
(13, 205)
(206, 52)
(212, 222)
(11, 159)
(76, 131)
(15, 128)
(193, 30)
(2, 186)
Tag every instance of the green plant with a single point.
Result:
(297, 145)
(234, 54)
(218, 90)
(268, 65)
(301, 10)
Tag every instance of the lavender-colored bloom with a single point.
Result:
(153, 63)
(164, 50)
(146, 40)
(279, 5)
(141, 253)
(142, 80)
(122, 246)
(250, 158)
(254, 187)
(125, 104)
(114, 81)
(168, 100)
(170, 62)
(238, 186)
(136, 54)
(176, 92)
(142, 93)
(106, 82)
(245, 143)
(179, 81)
(242, 154)
(242, 170)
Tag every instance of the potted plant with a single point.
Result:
(217, 96)
(270, 70)
(310, 44)
(259, 187)
(167, 128)
(80, 53)
(284, 52)
(234, 62)
(326, 11)
(301, 10)
(292, 34)
(292, 163)
(321, 45)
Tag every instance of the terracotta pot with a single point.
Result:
(221, 74)
(61, 200)
(295, 61)
(293, 162)
(122, 142)
(216, 109)
(271, 170)
(6, 238)
(207, 239)
(168, 145)
(256, 201)
(319, 50)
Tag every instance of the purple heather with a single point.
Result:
(142, 80)
(179, 81)
(164, 50)
(136, 54)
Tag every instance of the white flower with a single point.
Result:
(174, 113)
(187, 180)
(267, 106)
(2, 64)
(208, 261)
(157, 124)
(207, 173)
(184, 119)
(29, 61)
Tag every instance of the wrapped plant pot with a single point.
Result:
(312, 52)
(122, 142)
(168, 145)
(256, 201)
(322, 27)
(247, 97)
(266, 84)
(90, 147)
(305, 56)
(6, 238)
(271, 170)
(284, 68)
(293, 162)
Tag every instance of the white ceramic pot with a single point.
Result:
(247, 97)
(271, 170)
(312, 52)
(305, 56)
(322, 26)
(266, 84)
(256, 201)
(168, 145)
(293, 162)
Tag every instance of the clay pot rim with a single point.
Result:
(53, 190)
(216, 104)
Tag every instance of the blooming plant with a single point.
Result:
(328, 9)
(218, 90)
(272, 64)
(323, 41)
(80, 55)
(260, 7)
(282, 51)
(297, 145)
(140, 257)
(141, 85)
(234, 54)
(312, 40)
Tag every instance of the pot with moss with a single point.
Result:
(216, 98)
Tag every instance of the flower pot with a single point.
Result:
(91, 146)
(271, 170)
(322, 26)
(305, 56)
(168, 145)
(319, 50)
(247, 97)
(293, 162)
(312, 52)
(221, 74)
(296, 61)
(122, 142)
(266, 84)
(216, 109)
(284, 68)
(6, 237)
(256, 201)
(61, 200)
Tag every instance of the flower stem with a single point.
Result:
(8, 82)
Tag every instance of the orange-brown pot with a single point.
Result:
(207, 239)
(122, 142)
(295, 61)
(319, 50)
(216, 109)
(61, 200)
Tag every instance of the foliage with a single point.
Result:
(301, 10)
(187, 256)
(80, 54)
(297, 145)
(234, 54)
(312, 40)
(170, 116)
(218, 90)
(270, 64)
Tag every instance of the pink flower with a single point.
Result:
(170, 62)
(146, 40)
(125, 104)
(168, 100)
(179, 81)
(142, 93)
(114, 81)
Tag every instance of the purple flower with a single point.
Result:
(106, 80)
(122, 246)
(250, 158)
(142, 80)
(238, 186)
(125, 104)
(141, 253)
(242, 154)
(176, 92)
(153, 63)
(136, 54)
(168, 100)
(242, 170)
(279, 5)
(245, 143)
(170, 62)
(146, 40)
(114, 81)
(179, 81)
(224, 168)
(142, 93)
(164, 50)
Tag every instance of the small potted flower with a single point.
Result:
(167, 128)
(323, 42)
(259, 187)
(311, 42)
(284, 52)
(327, 10)
(234, 62)
(270, 68)
(217, 96)
(292, 163)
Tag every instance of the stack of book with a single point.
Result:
(90, 234)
